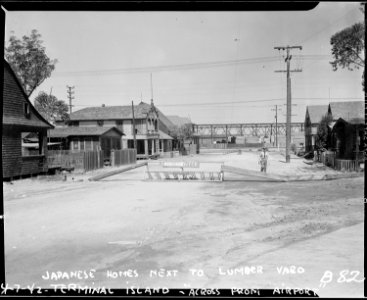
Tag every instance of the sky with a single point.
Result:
(213, 67)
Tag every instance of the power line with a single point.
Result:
(179, 67)
(243, 102)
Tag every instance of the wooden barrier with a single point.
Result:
(114, 172)
(253, 174)
(184, 170)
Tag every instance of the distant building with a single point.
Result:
(190, 144)
(147, 117)
(179, 121)
(19, 119)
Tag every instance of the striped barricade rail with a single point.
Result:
(185, 170)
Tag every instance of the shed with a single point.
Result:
(20, 117)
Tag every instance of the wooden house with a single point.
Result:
(347, 128)
(346, 150)
(147, 117)
(78, 139)
(347, 138)
(20, 117)
(314, 114)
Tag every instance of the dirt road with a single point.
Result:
(203, 234)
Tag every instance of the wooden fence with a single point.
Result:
(93, 160)
(123, 157)
(66, 159)
(329, 159)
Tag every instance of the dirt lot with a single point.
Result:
(200, 233)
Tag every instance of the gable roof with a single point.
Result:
(165, 120)
(63, 132)
(111, 112)
(347, 110)
(13, 93)
(164, 136)
(179, 121)
(316, 112)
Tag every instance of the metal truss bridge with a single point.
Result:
(245, 129)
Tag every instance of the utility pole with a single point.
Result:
(70, 92)
(289, 97)
(134, 131)
(276, 124)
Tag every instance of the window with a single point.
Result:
(74, 123)
(119, 122)
(27, 110)
(75, 145)
(82, 145)
(100, 123)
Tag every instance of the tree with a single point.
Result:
(323, 131)
(348, 47)
(182, 132)
(50, 107)
(29, 61)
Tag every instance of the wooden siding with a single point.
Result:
(33, 165)
(14, 100)
(12, 153)
(14, 164)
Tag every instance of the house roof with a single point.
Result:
(111, 112)
(164, 136)
(13, 95)
(63, 132)
(179, 121)
(347, 110)
(165, 120)
(355, 121)
(316, 112)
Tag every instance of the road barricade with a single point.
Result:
(185, 170)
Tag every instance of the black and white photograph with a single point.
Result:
(187, 152)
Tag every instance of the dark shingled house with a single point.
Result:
(20, 117)
(347, 129)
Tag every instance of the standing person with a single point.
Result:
(264, 159)
(315, 154)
